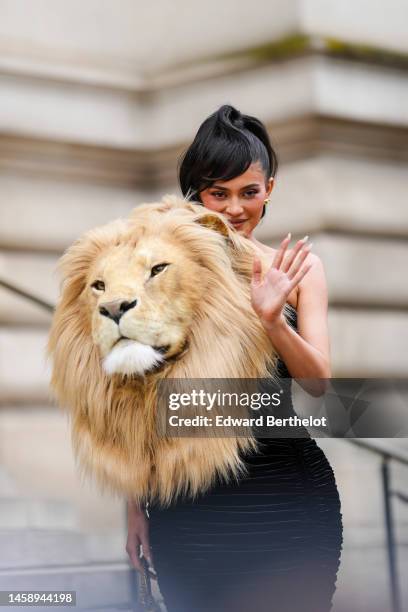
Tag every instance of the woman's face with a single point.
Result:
(240, 199)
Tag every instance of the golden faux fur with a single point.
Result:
(199, 309)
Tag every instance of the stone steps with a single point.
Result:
(98, 587)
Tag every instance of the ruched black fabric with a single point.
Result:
(271, 542)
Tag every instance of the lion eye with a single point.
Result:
(98, 285)
(157, 269)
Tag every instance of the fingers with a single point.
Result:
(133, 550)
(281, 252)
(298, 277)
(256, 271)
(292, 256)
(295, 267)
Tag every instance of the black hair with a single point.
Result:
(226, 144)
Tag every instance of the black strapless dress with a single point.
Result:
(271, 542)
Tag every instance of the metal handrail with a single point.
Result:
(380, 448)
(27, 295)
(388, 455)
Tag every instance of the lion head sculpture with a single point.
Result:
(162, 294)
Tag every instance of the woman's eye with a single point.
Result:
(218, 194)
(98, 285)
(158, 268)
(251, 193)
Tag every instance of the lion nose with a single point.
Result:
(114, 310)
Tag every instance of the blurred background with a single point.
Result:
(98, 99)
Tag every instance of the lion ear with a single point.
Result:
(215, 223)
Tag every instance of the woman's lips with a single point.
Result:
(239, 222)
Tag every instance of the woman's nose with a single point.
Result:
(234, 207)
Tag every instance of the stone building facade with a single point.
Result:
(97, 102)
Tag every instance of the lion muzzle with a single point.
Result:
(132, 357)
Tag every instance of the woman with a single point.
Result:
(272, 541)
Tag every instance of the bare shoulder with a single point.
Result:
(316, 272)
(271, 251)
(313, 286)
(265, 249)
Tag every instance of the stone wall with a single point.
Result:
(97, 104)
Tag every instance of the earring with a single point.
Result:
(266, 201)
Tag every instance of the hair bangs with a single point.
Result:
(226, 144)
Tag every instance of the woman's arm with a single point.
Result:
(306, 353)
(138, 535)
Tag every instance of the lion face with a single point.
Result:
(170, 281)
(141, 297)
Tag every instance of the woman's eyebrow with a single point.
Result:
(226, 188)
(218, 187)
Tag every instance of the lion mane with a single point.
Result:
(199, 311)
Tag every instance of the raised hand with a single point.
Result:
(269, 295)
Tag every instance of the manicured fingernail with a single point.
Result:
(289, 235)
(305, 238)
(309, 246)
